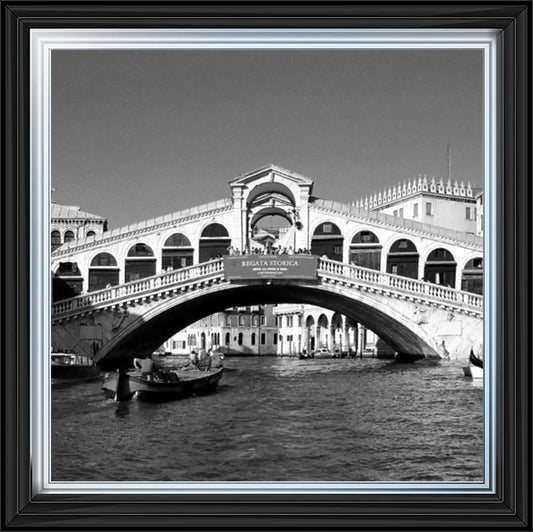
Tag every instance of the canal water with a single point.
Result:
(280, 419)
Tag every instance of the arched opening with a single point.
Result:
(214, 242)
(271, 193)
(240, 338)
(55, 240)
(310, 334)
(270, 230)
(149, 332)
(227, 339)
(403, 259)
(103, 272)
(327, 241)
(472, 278)
(440, 268)
(140, 263)
(69, 236)
(322, 332)
(337, 334)
(177, 252)
(252, 340)
(365, 250)
(90, 233)
(67, 281)
(202, 340)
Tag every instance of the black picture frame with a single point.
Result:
(508, 508)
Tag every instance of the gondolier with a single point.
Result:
(146, 365)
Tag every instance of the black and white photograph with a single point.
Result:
(267, 266)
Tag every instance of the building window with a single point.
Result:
(300, 320)
(429, 209)
(263, 338)
(69, 236)
(326, 228)
(253, 339)
(395, 213)
(275, 339)
(240, 339)
(228, 338)
(90, 233)
(289, 321)
(401, 213)
(337, 250)
(468, 213)
(415, 210)
(263, 320)
(241, 321)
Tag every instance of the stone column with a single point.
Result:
(360, 339)
(421, 268)
(346, 335)
(331, 338)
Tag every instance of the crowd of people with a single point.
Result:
(198, 359)
(268, 250)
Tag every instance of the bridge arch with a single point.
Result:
(176, 251)
(328, 240)
(366, 249)
(472, 275)
(103, 271)
(140, 262)
(440, 267)
(265, 191)
(214, 240)
(403, 258)
(152, 328)
(67, 280)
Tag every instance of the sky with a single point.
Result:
(140, 134)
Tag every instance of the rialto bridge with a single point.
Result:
(127, 290)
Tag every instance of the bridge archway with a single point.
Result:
(403, 259)
(310, 333)
(327, 241)
(365, 250)
(214, 241)
(440, 268)
(140, 263)
(151, 329)
(177, 252)
(67, 281)
(103, 271)
(472, 276)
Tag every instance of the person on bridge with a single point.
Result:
(146, 365)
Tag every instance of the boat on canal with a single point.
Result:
(475, 368)
(70, 367)
(161, 385)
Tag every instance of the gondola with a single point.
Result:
(475, 369)
(160, 386)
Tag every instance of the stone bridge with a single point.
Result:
(133, 319)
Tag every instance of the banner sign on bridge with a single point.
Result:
(253, 267)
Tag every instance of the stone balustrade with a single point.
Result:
(328, 270)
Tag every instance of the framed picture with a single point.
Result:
(377, 288)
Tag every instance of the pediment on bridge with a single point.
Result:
(273, 173)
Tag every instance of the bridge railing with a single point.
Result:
(173, 278)
(198, 272)
(378, 278)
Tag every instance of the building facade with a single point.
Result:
(235, 331)
(430, 201)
